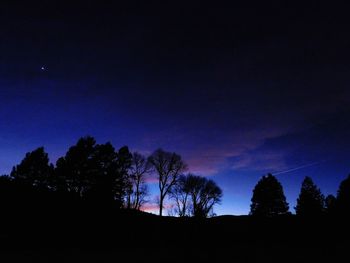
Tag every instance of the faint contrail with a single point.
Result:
(298, 168)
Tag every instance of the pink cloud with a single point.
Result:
(207, 160)
(209, 155)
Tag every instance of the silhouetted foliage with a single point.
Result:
(195, 196)
(268, 198)
(34, 169)
(5, 178)
(46, 217)
(168, 167)
(310, 202)
(74, 169)
(95, 171)
(107, 181)
(136, 190)
(124, 162)
(343, 197)
(330, 204)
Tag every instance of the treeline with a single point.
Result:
(101, 175)
(269, 199)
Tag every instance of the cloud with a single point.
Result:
(267, 145)
(239, 150)
(300, 149)
(271, 161)
(208, 153)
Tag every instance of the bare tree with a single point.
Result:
(181, 195)
(168, 167)
(195, 196)
(210, 194)
(137, 189)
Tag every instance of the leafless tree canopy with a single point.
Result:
(181, 195)
(168, 167)
(195, 196)
(137, 190)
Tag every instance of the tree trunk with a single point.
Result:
(137, 195)
(161, 206)
(129, 201)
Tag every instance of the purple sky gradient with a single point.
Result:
(238, 91)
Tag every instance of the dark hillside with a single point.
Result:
(40, 224)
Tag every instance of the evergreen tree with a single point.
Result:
(310, 201)
(268, 198)
(121, 174)
(103, 173)
(34, 169)
(74, 170)
(330, 204)
(343, 197)
(94, 171)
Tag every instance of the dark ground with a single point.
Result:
(107, 237)
(45, 227)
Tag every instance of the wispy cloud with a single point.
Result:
(210, 153)
(265, 161)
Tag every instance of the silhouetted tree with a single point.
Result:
(106, 181)
(195, 195)
(74, 170)
(95, 171)
(330, 204)
(268, 198)
(136, 183)
(180, 193)
(7, 194)
(310, 201)
(6, 182)
(6, 178)
(34, 169)
(168, 167)
(343, 197)
(124, 162)
(204, 195)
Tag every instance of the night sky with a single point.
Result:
(238, 91)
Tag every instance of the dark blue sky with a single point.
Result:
(237, 90)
